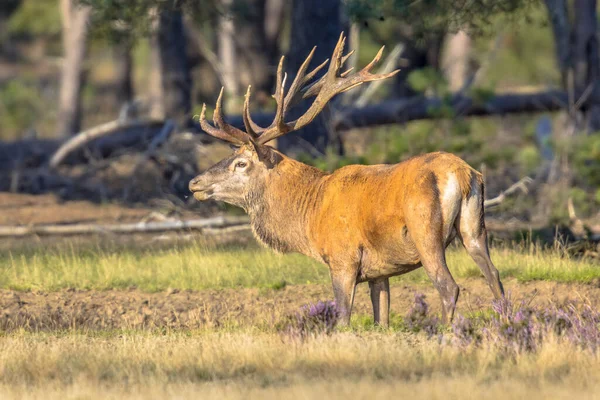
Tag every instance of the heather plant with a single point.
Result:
(312, 320)
(515, 328)
(465, 332)
(418, 318)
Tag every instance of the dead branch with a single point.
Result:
(141, 227)
(520, 185)
(81, 139)
(578, 227)
(154, 144)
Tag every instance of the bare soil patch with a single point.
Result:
(134, 309)
(25, 209)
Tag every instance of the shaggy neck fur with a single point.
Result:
(280, 209)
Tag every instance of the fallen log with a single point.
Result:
(420, 108)
(140, 227)
(85, 137)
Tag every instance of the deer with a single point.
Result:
(367, 223)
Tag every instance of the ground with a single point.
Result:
(187, 309)
(179, 316)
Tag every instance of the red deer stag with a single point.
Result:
(367, 223)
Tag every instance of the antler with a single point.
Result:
(324, 89)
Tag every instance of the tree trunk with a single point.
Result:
(314, 23)
(175, 73)
(456, 59)
(559, 18)
(227, 54)
(75, 29)
(274, 17)
(123, 82)
(253, 63)
(578, 56)
(586, 59)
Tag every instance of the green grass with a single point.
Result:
(200, 267)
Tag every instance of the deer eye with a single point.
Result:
(241, 164)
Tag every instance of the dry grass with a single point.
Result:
(262, 365)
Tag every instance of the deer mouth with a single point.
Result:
(202, 195)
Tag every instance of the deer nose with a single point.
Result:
(195, 184)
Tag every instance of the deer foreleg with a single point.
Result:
(344, 285)
(380, 298)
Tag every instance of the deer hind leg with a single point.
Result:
(380, 298)
(427, 235)
(473, 235)
(434, 263)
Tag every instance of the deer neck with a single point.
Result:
(281, 209)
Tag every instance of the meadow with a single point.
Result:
(200, 266)
(531, 347)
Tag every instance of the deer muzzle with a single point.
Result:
(200, 189)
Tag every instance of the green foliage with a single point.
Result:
(20, 107)
(430, 16)
(585, 153)
(482, 95)
(428, 79)
(36, 17)
(119, 20)
(529, 158)
(520, 56)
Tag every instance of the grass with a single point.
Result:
(251, 364)
(256, 360)
(201, 267)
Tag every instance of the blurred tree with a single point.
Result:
(248, 38)
(175, 72)
(456, 59)
(314, 23)
(124, 64)
(75, 20)
(422, 26)
(575, 27)
(7, 7)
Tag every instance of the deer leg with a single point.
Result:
(344, 285)
(380, 298)
(478, 250)
(435, 266)
(473, 235)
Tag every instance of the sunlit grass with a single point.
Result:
(200, 267)
(262, 365)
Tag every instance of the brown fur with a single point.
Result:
(368, 223)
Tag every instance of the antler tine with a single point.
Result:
(334, 68)
(211, 130)
(331, 84)
(251, 127)
(225, 127)
(278, 122)
(279, 86)
(375, 60)
(299, 79)
(314, 72)
(299, 95)
(336, 58)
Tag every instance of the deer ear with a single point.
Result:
(264, 154)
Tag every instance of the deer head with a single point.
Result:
(236, 178)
